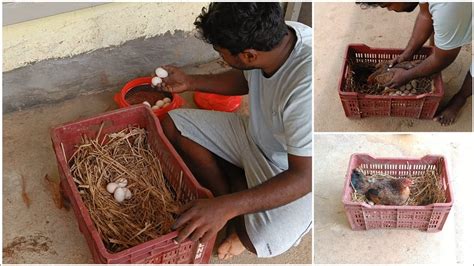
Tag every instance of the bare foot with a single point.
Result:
(448, 114)
(232, 246)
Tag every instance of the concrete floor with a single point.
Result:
(42, 233)
(335, 242)
(339, 24)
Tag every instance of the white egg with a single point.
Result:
(156, 80)
(147, 103)
(111, 187)
(167, 100)
(122, 182)
(161, 72)
(128, 193)
(159, 103)
(155, 107)
(166, 104)
(119, 194)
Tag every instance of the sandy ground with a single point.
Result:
(335, 242)
(42, 233)
(339, 24)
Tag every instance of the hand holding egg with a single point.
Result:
(160, 73)
(172, 79)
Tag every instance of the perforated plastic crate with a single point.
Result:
(430, 218)
(162, 249)
(357, 105)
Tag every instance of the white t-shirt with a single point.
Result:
(452, 23)
(280, 106)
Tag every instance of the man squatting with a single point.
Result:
(450, 26)
(258, 167)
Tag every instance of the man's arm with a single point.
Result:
(204, 218)
(436, 62)
(421, 33)
(231, 82)
(284, 188)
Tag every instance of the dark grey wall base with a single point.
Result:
(56, 80)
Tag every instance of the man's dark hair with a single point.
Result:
(240, 26)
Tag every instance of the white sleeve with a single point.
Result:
(297, 119)
(452, 24)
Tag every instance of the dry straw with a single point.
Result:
(153, 208)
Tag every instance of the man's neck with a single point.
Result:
(278, 56)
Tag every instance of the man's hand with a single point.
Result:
(400, 77)
(405, 56)
(201, 219)
(176, 82)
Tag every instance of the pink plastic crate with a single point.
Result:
(162, 249)
(357, 105)
(362, 216)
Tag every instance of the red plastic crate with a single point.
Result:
(362, 216)
(162, 249)
(357, 105)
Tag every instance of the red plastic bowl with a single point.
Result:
(217, 102)
(176, 101)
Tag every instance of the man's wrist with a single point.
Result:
(411, 74)
(191, 83)
(231, 203)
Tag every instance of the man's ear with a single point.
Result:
(248, 56)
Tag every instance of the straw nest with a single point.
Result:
(427, 188)
(153, 208)
(357, 82)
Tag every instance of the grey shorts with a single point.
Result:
(274, 231)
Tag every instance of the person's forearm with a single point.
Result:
(282, 189)
(421, 31)
(435, 63)
(426, 68)
(231, 82)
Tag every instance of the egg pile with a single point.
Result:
(409, 89)
(159, 104)
(119, 189)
